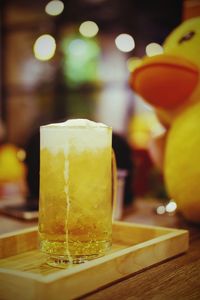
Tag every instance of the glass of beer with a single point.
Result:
(75, 206)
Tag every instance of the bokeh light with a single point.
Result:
(44, 47)
(78, 47)
(54, 7)
(171, 207)
(80, 64)
(161, 210)
(88, 29)
(153, 49)
(125, 42)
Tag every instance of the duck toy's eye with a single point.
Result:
(186, 37)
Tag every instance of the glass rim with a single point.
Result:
(73, 127)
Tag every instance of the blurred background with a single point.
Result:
(72, 59)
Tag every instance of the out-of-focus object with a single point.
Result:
(25, 211)
(26, 188)
(132, 63)
(141, 128)
(171, 83)
(54, 7)
(169, 208)
(44, 47)
(11, 166)
(88, 29)
(12, 169)
(125, 42)
(125, 170)
(119, 203)
(148, 179)
(2, 131)
(80, 60)
(154, 49)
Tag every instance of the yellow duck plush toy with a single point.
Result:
(171, 83)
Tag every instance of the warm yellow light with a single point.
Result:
(154, 49)
(88, 29)
(125, 42)
(21, 154)
(44, 47)
(54, 7)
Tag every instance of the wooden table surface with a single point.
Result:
(176, 278)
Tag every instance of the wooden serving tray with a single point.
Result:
(25, 275)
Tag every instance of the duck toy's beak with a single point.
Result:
(165, 81)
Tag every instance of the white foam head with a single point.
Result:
(77, 123)
(81, 133)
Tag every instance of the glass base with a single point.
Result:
(62, 254)
(66, 261)
(58, 262)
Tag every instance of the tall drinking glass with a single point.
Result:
(75, 207)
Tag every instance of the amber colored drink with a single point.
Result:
(75, 213)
